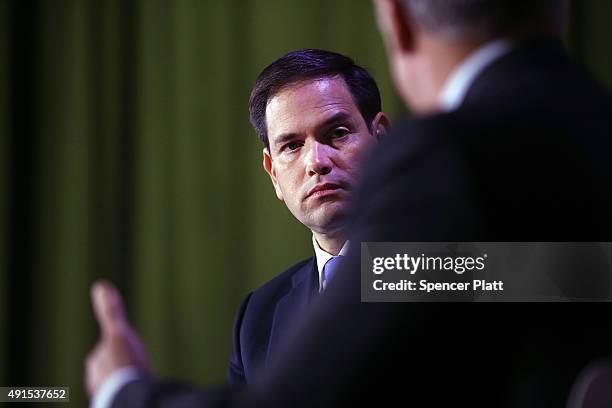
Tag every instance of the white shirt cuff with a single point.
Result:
(113, 384)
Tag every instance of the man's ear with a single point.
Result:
(381, 124)
(268, 166)
(396, 24)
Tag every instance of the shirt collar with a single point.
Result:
(462, 77)
(322, 256)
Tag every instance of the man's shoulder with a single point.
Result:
(285, 280)
(414, 141)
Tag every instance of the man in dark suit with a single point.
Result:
(511, 142)
(316, 113)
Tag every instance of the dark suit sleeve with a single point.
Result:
(235, 374)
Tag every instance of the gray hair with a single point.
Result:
(482, 19)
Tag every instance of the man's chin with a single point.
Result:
(329, 219)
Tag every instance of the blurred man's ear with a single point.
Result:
(381, 125)
(396, 24)
(268, 166)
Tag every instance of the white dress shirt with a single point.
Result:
(109, 389)
(462, 77)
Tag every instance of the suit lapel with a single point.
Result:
(305, 286)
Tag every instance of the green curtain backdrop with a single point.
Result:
(126, 153)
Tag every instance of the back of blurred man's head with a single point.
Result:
(484, 19)
(427, 39)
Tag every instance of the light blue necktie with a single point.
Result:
(330, 268)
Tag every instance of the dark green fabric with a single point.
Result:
(126, 153)
(590, 36)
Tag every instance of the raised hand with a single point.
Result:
(119, 345)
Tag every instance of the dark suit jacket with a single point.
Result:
(526, 158)
(266, 315)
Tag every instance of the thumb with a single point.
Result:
(108, 308)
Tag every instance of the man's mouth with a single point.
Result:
(321, 190)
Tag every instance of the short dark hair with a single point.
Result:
(480, 19)
(308, 64)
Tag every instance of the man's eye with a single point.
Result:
(291, 146)
(339, 132)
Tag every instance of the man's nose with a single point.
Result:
(318, 159)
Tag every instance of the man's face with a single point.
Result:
(317, 136)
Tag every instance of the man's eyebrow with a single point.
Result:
(335, 118)
(284, 138)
